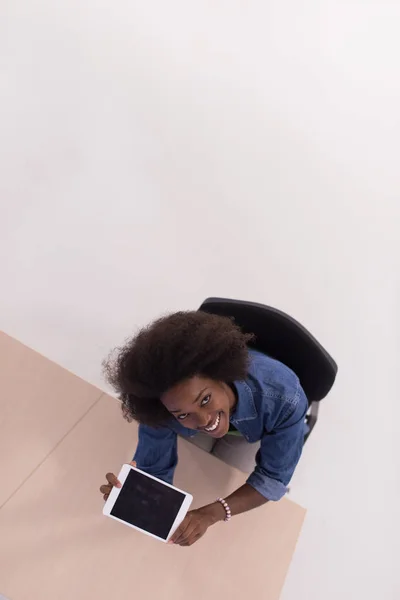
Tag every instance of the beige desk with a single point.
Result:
(54, 542)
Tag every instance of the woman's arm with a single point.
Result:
(156, 452)
(198, 521)
(276, 461)
(243, 499)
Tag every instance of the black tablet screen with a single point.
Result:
(148, 504)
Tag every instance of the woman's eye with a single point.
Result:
(181, 417)
(205, 400)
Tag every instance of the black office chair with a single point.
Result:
(283, 338)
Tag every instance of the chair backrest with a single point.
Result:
(283, 338)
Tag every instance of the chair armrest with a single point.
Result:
(311, 418)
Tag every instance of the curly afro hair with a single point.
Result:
(170, 350)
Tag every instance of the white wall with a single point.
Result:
(155, 153)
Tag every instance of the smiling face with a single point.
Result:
(202, 404)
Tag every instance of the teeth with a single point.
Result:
(214, 425)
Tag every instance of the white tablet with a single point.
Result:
(147, 504)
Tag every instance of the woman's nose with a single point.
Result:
(203, 420)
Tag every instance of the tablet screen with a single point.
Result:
(147, 504)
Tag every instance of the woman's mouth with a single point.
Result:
(214, 426)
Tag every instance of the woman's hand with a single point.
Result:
(196, 523)
(112, 481)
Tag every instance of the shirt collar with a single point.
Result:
(245, 408)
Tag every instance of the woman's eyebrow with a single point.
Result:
(200, 394)
(197, 398)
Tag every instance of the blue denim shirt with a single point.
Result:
(271, 408)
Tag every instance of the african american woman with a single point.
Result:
(194, 374)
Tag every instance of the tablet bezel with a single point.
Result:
(123, 474)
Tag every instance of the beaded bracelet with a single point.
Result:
(227, 509)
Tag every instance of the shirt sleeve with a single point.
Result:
(280, 448)
(156, 452)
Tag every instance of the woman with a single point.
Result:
(192, 373)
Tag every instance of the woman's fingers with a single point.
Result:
(192, 540)
(182, 531)
(188, 537)
(112, 482)
(178, 533)
(193, 527)
(112, 479)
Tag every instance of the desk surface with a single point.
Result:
(55, 543)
